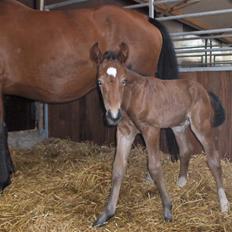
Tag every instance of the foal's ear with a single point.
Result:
(95, 54)
(123, 52)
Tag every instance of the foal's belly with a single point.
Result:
(160, 118)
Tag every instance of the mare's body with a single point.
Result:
(45, 55)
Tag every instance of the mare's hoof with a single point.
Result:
(4, 184)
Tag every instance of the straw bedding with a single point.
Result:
(62, 186)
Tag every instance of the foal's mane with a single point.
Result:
(110, 55)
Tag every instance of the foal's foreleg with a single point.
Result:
(186, 150)
(125, 137)
(151, 137)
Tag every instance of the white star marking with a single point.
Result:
(112, 71)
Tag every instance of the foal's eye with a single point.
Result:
(99, 82)
(124, 82)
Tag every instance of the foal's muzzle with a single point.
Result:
(113, 118)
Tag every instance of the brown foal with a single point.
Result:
(139, 104)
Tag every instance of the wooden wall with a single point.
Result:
(83, 119)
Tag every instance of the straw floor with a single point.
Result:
(61, 186)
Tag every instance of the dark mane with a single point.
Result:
(110, 55)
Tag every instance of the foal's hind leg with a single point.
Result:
(185, 148)
(202, 128)
(126, 133)
(151, 137)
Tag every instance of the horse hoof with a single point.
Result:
(224, 203)
(181, 181)
(168, 217)
(98, 223)
(102, 220)
(225, 206)
(148, 178)
(168, 214)
(4, 184)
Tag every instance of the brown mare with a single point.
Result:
(139, 104)
(45, 55)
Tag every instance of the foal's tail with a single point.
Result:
(219, 112)
(167, 69)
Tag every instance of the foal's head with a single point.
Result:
(111, 79)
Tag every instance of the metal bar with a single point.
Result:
(210, 53)
(189, 56)
(205, 69)
(210, 31)
(43, 120)
(166, 1)
(151, 9)
(46, 131)
(203, 37)
(206, 51)
(223, 54)
(203, 46)
(193, 15)
(203, 50)
(61, 4)
(41, 5)
(140, 5)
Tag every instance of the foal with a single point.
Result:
(139, 104)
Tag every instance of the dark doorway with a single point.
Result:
(20, 113)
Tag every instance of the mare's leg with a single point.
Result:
(126, 133)
(203, 130)
(151, 137)
(6, 166)
(10, 164)
(185, 148)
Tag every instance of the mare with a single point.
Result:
(139, 104)
(45, 55)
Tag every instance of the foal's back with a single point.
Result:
(163, 103)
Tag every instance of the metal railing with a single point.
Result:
(207, 36)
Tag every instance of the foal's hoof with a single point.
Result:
(168, 216)
(182, 181)
(225, 206)
(224, 203)
(168, 213)
(148, 178)
(102, 220)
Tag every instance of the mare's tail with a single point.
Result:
(167, 66)
(219, 112)
(167, 69)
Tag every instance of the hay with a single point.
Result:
(62, 186)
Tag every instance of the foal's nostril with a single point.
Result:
(114, 114)
(113, 117)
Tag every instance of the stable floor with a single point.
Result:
(61, 186)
